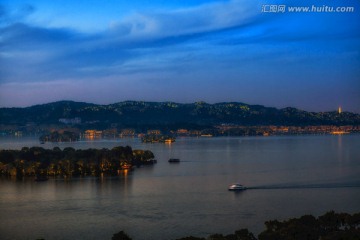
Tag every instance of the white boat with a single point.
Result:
(236, 187)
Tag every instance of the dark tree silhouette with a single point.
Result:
(70, 162)
(121, 236)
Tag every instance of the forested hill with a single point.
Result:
(136, 113)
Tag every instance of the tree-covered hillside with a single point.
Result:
(137, 114)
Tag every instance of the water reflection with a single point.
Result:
(340, 152)
(286, 177)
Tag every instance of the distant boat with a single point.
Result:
(174, 160)
(236, 187)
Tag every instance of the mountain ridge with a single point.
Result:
(142, 113)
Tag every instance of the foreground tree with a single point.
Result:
(191, 238)
(121, 236)
(330, 226)
(242, 234)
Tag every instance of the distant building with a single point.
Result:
(194, 133)
(128, 132)
(182, 132)
(70, 120)
(112, 132)
(339, 110)
(18, 133)
(92, 134)
(153, 132)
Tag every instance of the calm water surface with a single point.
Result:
(287, 176)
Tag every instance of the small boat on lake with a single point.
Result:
(236, 187)
(174, 160)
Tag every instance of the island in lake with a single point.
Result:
(42, 163)
(60, 136)
(157, 138)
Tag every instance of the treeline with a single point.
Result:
(155, 138)
(150, 115)
(56, 136)
(330, 226)
(37, 161)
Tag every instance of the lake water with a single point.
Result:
(287, 176)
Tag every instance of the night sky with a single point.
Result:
(106, 51)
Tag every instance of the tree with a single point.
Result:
(330, 221)
(353, 221)
(244, 234)
(216, 237)
(190, 238)
(121, 236)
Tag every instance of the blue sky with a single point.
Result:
(106, 51)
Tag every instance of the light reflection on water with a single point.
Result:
(287, 176)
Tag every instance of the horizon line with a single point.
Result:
(193, 102)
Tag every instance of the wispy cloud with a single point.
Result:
(61, 52)
(188, 21)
